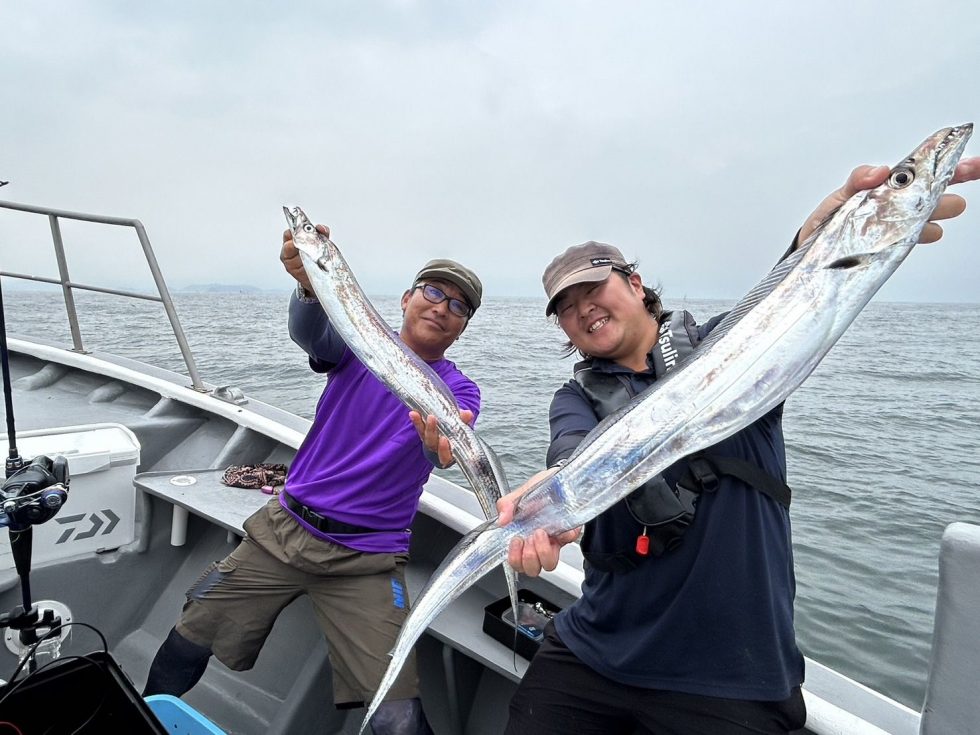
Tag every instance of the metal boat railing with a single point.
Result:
(68, 286)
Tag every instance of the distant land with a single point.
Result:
(220, 288)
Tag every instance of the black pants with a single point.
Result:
(560, 694)
(177, 667)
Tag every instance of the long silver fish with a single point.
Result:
(382, 352)
(750, 363)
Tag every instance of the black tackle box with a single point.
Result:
(534, 613)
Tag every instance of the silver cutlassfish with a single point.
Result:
(751, 362)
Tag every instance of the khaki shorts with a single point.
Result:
(360, 600)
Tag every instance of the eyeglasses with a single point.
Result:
(436, 296)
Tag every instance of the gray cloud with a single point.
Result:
(695, 137)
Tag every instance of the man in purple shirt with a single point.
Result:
(339, 530)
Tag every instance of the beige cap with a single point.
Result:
(456, 274)
(586, 263)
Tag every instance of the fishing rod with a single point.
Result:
(32, 493)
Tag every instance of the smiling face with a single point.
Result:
(429, 329)
(608, 319)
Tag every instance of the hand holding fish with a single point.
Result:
(868, 177)
(435, 442)
(539, 550)
(291, 260)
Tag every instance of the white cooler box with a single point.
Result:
(100, 512)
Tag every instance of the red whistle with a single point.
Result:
(643, 544)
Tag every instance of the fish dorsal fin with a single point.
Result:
(769, 283)
(756, 295)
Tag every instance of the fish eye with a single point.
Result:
(901, 177)
(308, 228)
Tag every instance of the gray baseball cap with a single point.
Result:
(456, 274)
(586, 263)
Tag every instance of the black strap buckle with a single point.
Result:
(313, 518)
(703, 473)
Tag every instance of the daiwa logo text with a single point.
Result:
(94, 524)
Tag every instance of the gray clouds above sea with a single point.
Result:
(694, 137)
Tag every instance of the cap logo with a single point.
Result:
(600, 261)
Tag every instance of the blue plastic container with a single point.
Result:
(179, 717)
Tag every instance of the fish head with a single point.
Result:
(915, 184)
(895, 212)
(306, 237)
(296, 218)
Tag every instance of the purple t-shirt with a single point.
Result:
(362, 461)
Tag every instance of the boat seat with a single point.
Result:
(459, 628)
(202, 493)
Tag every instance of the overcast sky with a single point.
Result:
(695, 136)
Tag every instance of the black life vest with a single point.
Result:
(662, 510)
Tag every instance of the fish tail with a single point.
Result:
(496, 466)
(477, 553)
(500, 479)
(487, 478)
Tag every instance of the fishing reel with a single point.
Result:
(34, 493)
